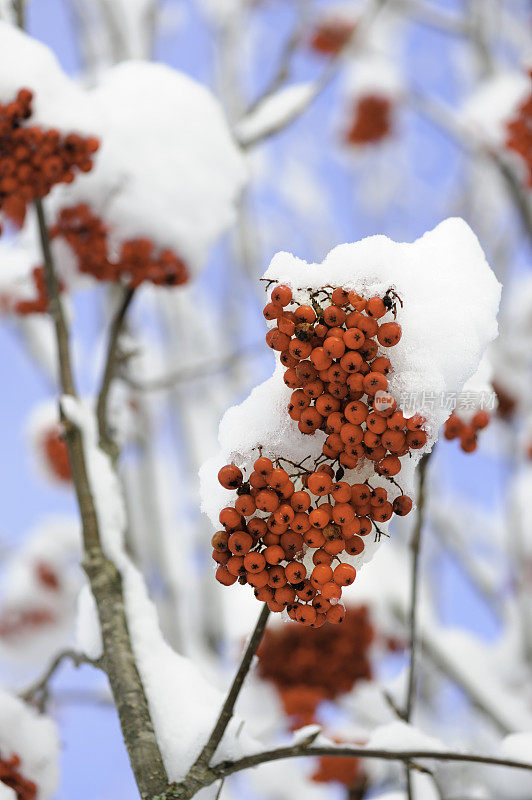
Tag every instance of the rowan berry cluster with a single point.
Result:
(290, 522)
(334, 363)
(11, 776)
(33, 159)
(138, 260)
(55, 452)
(330, 36)
(371, 120)
(466, 432)
(292, 659)
(519, 134)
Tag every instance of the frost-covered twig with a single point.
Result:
(226, 713)
(39, 691)
(415, 545)
(106, 440)
(104, 578)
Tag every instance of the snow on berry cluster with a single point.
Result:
(333, 29)
(42, 121)
(29, 751)
(372, 90)
(319, 457)
(151, 213)
(34, 159)
(47, 443)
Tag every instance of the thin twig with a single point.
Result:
(368, 16)
(226, 712)
(415, 546)
(282, 73)
(342, 751)
(39, 690)
(106, 440)
(200, 370)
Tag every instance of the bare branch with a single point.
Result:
(106, 439)
(368, 16)
(228, 707)
(39, 691)
(342, 751)
(105, 580)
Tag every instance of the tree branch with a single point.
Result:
(341, 751)
(226, 713)
(39, 691)
(415, 545)
(368, 16)
(104, 578)
(106, 439)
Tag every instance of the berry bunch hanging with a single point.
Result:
(291, 657)
(137, 260)
(291, 523)
(37, 304)
(331, 35)
(371, 120)
(33, 159)
(466, 432)
(519, 135)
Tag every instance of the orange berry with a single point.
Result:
(281, 295)
(254, 562)
(389, 334)
(230, 477)
(375, 307)
(344, 574)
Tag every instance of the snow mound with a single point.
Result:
(181, 190)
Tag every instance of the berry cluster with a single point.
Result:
(290, 522)
(138, 260)
(519, 135)
(55, 452)
(11, 776)
(334, 363)
(39, 304)
(330, 36)
(371, 120)
(292, 659)
(34, 160)
(467, 432)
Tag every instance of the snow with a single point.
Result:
(448, 319)
(58, 102)
(183, 705)
(371, 74)
(32, 737)
(399, 735)
(487, 111)
(180, 191)
(274, 111)
(18, 258)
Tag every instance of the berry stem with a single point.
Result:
(106, 439)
